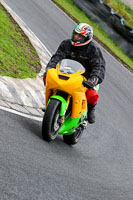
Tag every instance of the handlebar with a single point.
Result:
(86, 84)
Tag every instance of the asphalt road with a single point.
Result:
(100, 166)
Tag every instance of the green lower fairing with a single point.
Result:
(70, 125)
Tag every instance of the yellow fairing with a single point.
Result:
(73, 86)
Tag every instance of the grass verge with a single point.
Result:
(99, 34)
(123, 10)
(18, 58)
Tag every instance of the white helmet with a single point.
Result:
(82, 34)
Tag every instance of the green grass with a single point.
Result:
(18, 58)
(123, 10)
(99, 33)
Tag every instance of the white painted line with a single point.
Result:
(21, 114)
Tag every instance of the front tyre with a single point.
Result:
(50, 124)
(74, 138)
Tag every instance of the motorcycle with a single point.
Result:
(65, 102)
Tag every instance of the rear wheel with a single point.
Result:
(74, 138)
(50, 124)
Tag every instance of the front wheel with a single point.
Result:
(74, 138)
(50, 124)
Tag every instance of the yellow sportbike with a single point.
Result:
(65, 102)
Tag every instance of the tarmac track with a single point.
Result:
(101, 165)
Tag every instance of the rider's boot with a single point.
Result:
(91, 113)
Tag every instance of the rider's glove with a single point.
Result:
(93, 81)
(44, 78)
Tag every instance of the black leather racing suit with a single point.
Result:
(89, 56)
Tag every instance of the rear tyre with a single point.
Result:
(74, 138)
(50, 125)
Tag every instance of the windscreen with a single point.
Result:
(68, 66)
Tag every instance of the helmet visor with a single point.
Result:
(77, 37)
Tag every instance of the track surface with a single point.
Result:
(101, 165)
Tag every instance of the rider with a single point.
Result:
(82, 49)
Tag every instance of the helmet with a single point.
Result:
(82, 34)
